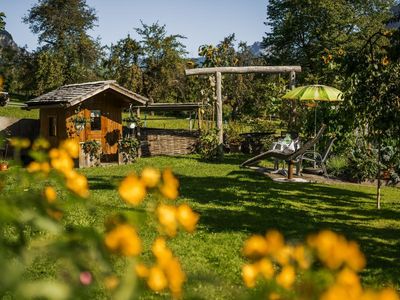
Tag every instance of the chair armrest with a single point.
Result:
(315, 156)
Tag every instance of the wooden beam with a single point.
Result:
(243, 70)
(219, 114)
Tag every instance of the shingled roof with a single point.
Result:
(72, 94)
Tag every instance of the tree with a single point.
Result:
(122, 64)
(163, 63)
(308, 32)
(373, 98)
(2, 21)
(62, 27)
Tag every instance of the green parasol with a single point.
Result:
(315, 92)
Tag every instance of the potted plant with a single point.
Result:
(92, 150)
(3, 165)
(132, 121)
(128, 149)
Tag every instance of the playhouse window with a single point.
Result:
(95, 120)
(52, 126)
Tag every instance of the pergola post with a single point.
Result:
(219, 114)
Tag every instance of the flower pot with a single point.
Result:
(3, 166)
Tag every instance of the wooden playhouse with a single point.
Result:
(99, 104)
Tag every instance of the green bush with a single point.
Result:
(363, 165)
(337, 165)
(128, 146)
(207, 145)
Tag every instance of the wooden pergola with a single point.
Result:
(292, 70)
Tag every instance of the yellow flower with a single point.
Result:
(385, 61)
(176, 277)
(170, 185)
(335, 292)
(77, 183)
(355, 259)
(187, 218)
(150, 177)
(20, 143)
(351, 282)
(71, 147)
(55, 214)
(300, 256)
(132, 190)
(61, 161)
(284, 255)
(275, 241)
(141, 270)
(286, 277)
(161, 252)
(388, 294)
(123, 239)
(111, 282)
(331, 248)
(255, 246)
(35, 166)
(249, 275)
(157, 280)
(167, 217)
(274, 296)
(40, 143)
(266, 268)
(50, 194)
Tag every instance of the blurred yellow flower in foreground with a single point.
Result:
(249, 275)
(20, 143)
(50, 194)
(157, 280)
(255, 246)
(166, 272)
(111, 282)
(334, 250)
(123, 239)
(167, 217)
(266, 268)
(141, 270)
(170, 185)
(150, 177)
(132, 190)
(60, 160)
(187, 218)
(71, 147)
(286, 277)
(77, 183)
(35, 166)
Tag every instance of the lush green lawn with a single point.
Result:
(235, 203)
(16, 112)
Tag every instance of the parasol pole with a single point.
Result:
(315, 133)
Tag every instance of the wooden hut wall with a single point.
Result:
(111, 123)
(52, 125)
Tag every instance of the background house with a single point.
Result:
(86, 112)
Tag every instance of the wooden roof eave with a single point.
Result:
(130, 95)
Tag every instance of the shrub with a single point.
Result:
(93, 149)
(128, 147)
(337, 165)
(362, 165)
(207, 145)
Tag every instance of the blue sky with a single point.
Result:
(202, 22)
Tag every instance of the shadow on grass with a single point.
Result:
(245, 201)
